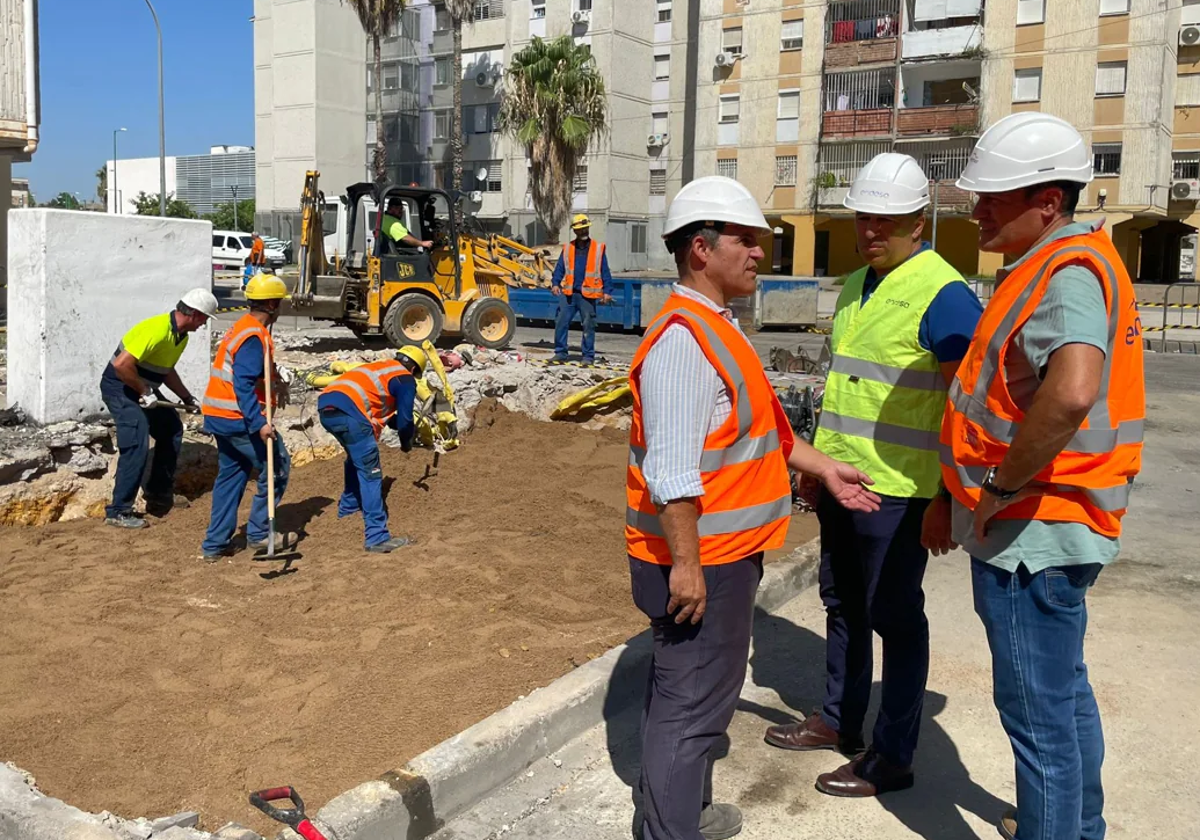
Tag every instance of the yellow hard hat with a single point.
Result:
(414, 354)
(580, 221)
(265, 287)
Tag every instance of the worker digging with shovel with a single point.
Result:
(236, 412)
(354, 408)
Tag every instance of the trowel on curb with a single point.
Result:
(292, 817)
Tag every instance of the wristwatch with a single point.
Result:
(989, 484)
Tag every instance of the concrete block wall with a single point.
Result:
(77, 282)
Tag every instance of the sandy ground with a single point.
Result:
(138, 679)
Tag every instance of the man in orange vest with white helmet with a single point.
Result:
(354, 408)
(233, 414)
(582, 279)
(708, 491)
(1041, 440)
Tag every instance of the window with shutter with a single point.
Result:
(1106, 158)
(791, 37)
(1185, 166)
(1110, 78)
(659, 123)
(637, 237)
(1187, 90)
(787, 120)
(785, 171)
(664, 11)
(658, 182)
(727, 168)
(1030, 11)
(580, 183)
(662, 67)
(1114, 7)
(538, 9)
(731, 40)
(494, 183)
(729, 108)
(1027, 85)
(441, 125)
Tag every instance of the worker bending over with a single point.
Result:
(144, 361)
(902, 325)
(354, 408)
(582, 278)
(1041, 441)
(708, 493)
(233, 413)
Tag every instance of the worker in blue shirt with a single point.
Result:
(582, 279)
(233, 408)
(354, 408)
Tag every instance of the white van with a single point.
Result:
(230, 249)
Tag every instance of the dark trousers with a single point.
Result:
(567, 307)
(872, 565)
(696, 675)
(135, 427)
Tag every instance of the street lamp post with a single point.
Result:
(233, 189)
(162, 136)
(116, 195)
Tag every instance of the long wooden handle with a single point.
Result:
(267, 376)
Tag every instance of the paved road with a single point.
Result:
(1142, 644)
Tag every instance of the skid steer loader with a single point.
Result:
(405, 294)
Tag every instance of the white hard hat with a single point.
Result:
(201, 300)
(1025, 149)
(891, 184)
(714, 198)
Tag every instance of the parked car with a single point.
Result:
(231, 247)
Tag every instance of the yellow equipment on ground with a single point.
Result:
(405, 294)
(607, 393)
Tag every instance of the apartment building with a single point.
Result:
(204, 182)
(802, 94)
(20, 109)
(311, 115)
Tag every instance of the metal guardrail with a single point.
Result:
(1186, 311)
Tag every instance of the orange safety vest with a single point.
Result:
(593, 282)
(258, 254)
(367, 385)
(1089, 481)
(747, 497)
(220, 400)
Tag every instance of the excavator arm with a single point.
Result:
(312, 237)
(508, 261)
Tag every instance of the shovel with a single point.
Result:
(268, 371)
(293, 817)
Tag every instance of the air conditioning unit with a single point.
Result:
(1189, 35)
(484, 79)
(653, 140)
(476, 196)
(581, 16)
(1185, 190)
(726, 59)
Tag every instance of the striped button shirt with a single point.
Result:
(684, 399)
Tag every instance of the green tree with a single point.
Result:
(64, 201)
(102, 184)
(378, 17)
(459, 10)
(146, 204)
(222, 218)
(554, 104)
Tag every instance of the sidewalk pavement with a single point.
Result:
(1141, 650)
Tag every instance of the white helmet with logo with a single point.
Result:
(713, 199)
(1026, 149)
(891, 184)
(201, 300)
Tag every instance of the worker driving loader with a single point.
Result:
(424, 276)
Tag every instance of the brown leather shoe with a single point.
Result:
(1008, 825)
(870, 774)
(813, 733)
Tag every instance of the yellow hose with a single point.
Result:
(606, 393)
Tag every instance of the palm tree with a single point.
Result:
(459, 10)
(554, 104)
(102, 184)
(377, 18)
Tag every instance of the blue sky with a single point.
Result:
(99, 71)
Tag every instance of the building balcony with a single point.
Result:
(831, 196)
(938, 120)
(854, 53)
(872, 122)
(937, 43)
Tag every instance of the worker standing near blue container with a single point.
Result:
(583, 281)
(355, 408)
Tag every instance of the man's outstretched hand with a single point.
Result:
(848, 486)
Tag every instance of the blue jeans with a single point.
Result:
(1035, 626)
(363, 475)
(237, 457)
(567, 307)
(135, 427)
(872, 568)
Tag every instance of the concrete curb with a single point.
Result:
(445, 780)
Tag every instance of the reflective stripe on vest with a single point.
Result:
(747, 491)
(593, 281)
(220, 398)
(885, 393)
(375, 402)
(1089, 481)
